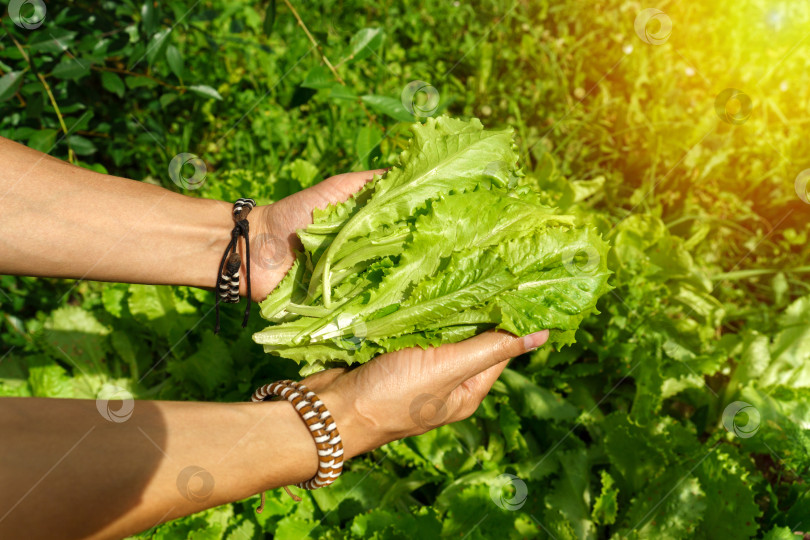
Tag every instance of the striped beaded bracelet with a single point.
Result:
(321, 425)
(227, 288)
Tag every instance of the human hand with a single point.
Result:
(412, 391)
(398, 394)
(273, 239)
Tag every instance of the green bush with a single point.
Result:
(635, 431)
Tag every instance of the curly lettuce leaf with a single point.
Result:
(444, 246)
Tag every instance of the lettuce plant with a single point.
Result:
(449, 243)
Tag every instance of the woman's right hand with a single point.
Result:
(411, 391)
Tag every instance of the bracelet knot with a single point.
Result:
(227, 286)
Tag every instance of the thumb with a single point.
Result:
(342, 186)
(470, 357)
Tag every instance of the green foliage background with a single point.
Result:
(618, 436)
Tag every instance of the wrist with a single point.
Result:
(214, 225)
(203, 228)
(359, 432)
(280, 429)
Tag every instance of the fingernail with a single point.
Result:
(533, 341)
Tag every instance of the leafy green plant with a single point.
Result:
(448, 243)
(627, 432)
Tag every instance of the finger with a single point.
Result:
(344, 185)
(472, 356)
(478, 386)
(295, 212)
(468, 395)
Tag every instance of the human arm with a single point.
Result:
(67, 464)
(67, 472)
(60, 220)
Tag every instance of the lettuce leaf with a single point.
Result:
(448, 244)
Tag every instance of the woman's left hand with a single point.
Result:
(273, 239)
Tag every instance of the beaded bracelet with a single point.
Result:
(227, 288)
(321, 425)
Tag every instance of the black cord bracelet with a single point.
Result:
(227, 289)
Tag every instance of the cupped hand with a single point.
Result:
(411, 391)
(398, 394)
(273, 239)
